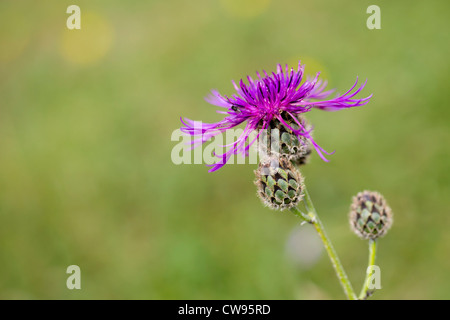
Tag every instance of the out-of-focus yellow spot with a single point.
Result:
(245, 8)
(312, 66)
(15, 32)
(90, 43)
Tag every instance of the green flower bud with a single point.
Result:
(279, 183)
(370, 216)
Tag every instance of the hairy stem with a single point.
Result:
(340, 272)
(372, 254)
(301, 214)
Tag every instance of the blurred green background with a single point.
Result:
(86, 118)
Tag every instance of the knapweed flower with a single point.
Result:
(280, 97)
(282, 142)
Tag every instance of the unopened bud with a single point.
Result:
(370, 216)
(279, 183)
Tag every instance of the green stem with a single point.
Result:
(314, 219)
(372, 255)
(301, 214)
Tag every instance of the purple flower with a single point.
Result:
(276, 96)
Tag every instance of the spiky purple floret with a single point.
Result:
(264, 99)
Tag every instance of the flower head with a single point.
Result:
(272, 98)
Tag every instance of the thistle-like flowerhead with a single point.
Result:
(270, 100)
(370, 216)
(279, 184)
(279, 140)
